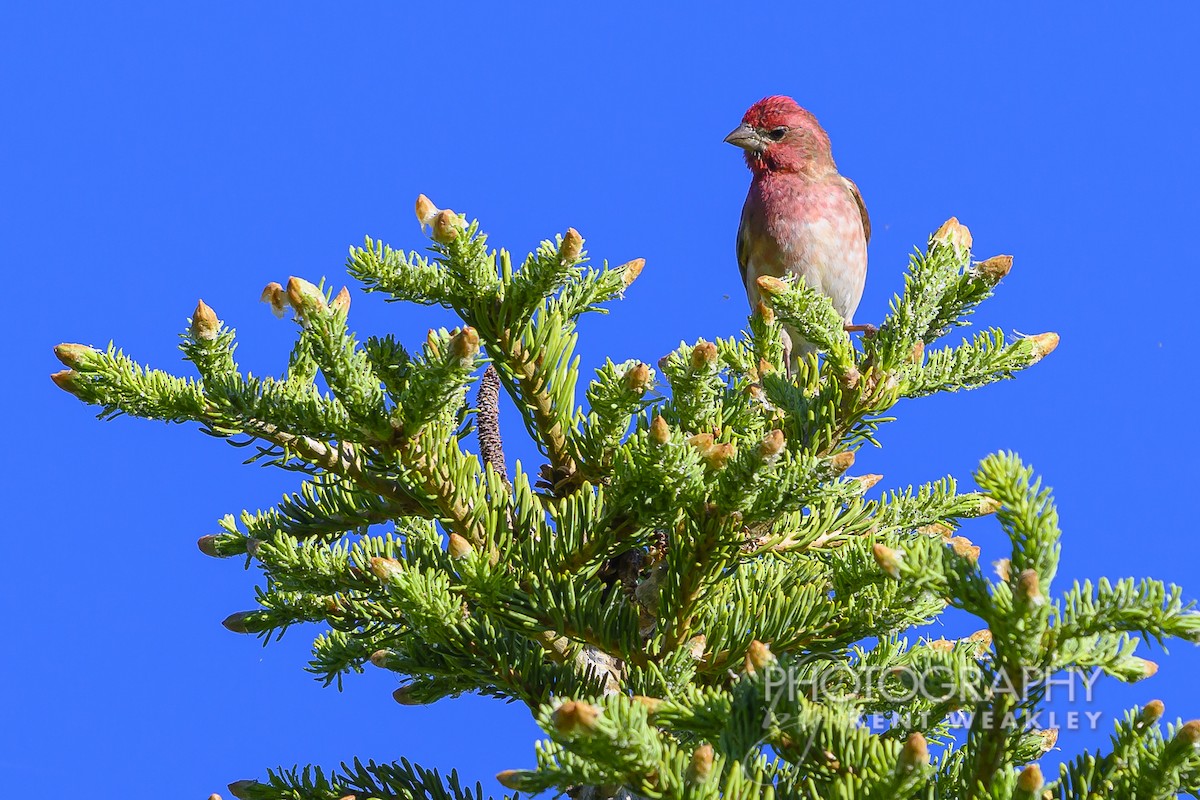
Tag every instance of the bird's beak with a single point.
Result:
(747, 138)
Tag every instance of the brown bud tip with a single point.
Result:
(841, 462)
(696, 646)
(987, 505)
(208, 545)
(866, 482)
(67, 380)
(850, 378)
(982, 640)
(214, 796)
(464, 345)
(719, 455)
(1149, 668)
(304, 296)
(915, 753)
(993, 269)
(758, 656)
(380, 658)
(1043, 345)
(964, 549)
(1028, 588)
(917, 354)
(459, 547)
(702, 442)
(446, 226)
(954, 233)
(205, 325)
(236, 622)
(1030, 779)
(630, 270)
(772, 445)
(765, 367)
(341, 303)
(887, 559)
(241, 789)
(637, 378)
(941, 645)
(1190, 733)
(704, 356)
(252, 546)
(1003, 569)
(937, 529)
(575, 716)
(385, 568)
(571, 247)
(765, 312)
(660, 431)
(1049, 738)
(1152, 712)
(771, 286)
(651, 704)
(74, 355)
(702, 763)
(510, 778)
(425, 210)
(274, 294)
(404, 696)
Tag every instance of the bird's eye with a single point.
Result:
(775, 134)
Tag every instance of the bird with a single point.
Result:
(801, 217)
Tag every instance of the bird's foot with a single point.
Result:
(866, 329)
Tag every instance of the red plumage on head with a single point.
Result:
(806, 145)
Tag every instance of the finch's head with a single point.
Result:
(780, 136)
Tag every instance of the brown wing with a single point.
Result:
(862, 207)
(743, 246)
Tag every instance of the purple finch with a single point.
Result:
(801, 218)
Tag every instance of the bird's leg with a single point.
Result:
(866, 328)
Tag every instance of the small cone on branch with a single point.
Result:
(303, 296)
(1049, 738)
(771, 286)
(651, 704)
(704, 356)
(1151, 713)
(868, 481)
(660, 431)
(74, 355)
(205, 325)
(696, 646)
(1043, 345)
(214, 796)
(1003, 569)
(425, 210)
(1030, 780)
(67, 380)
(341, 303)
(464, 346)
(982, 639)
(702, 763)
(841, 462)
(571, 247)
(758, 657)
(446, 226)
(236, 622)
(1149, 669)
(772, 445)
(385, 568)
(988, 505)
(765, 367)
(702, 442)
(575, 716)
(766, 312)
(717, 456)
(208, 545)
(963, 548)
(274, 294)
(404, 696)
(1028, 588)
(917, 354)
(993, 269)
(380, 658)
(637, 378)
(1189, 733)
(630, 270)
(887, 559)
(510, 778)
(459, 547)
(914, 754)
(240, 789)
(954, 233)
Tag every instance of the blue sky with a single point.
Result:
(157, 153)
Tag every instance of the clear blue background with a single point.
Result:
(156, 153)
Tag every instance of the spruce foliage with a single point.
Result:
(688, 591)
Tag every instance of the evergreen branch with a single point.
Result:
(401, 780)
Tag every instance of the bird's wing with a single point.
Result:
(862, 207)
(743, 246)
